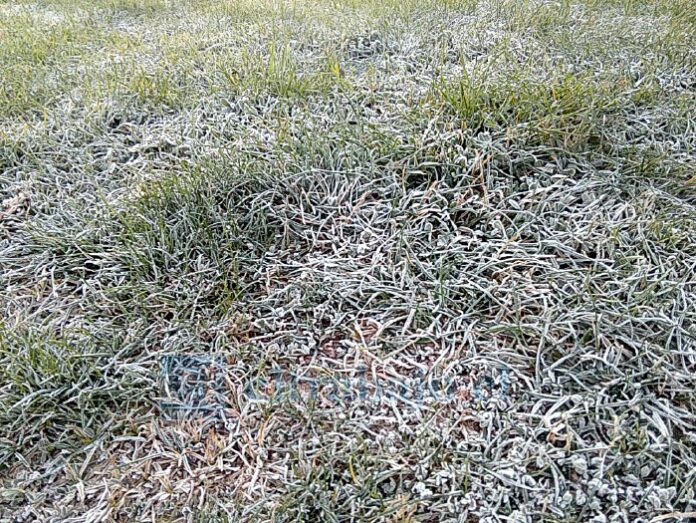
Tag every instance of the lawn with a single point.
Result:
(348, 260)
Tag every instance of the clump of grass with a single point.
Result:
(198, 228)
(133, 8)
(31, 59)
(24, 44)
(567, 111)
(201, 215)
(156, 88)
(57, 391)
(276, 71)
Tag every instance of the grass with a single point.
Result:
(420, 260)
(567, 112)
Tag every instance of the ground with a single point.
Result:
(348, 260)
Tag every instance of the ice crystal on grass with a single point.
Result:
(347, 261)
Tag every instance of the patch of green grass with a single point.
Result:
(32, 57)
(277, 72)
(565, 111)
(188, 216)
(128, 7)
(25, 41)
(150, 88)
(194, 229)
(56, 392)
(133, 7)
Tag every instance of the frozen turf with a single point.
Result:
(348, 260)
